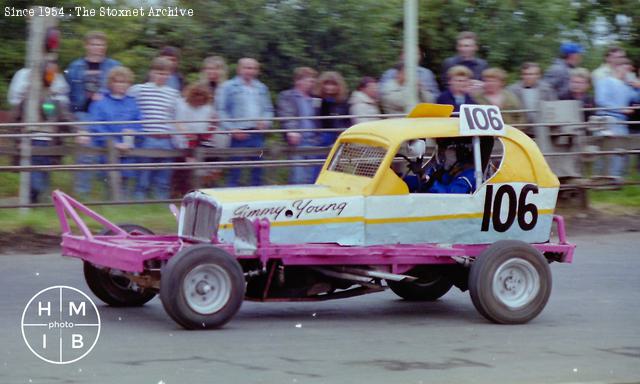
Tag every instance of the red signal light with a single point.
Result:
(52, 39)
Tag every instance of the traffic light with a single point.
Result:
(49, 109)
(48, 106)
(49, 72)
(52, 39)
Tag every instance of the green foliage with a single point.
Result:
(347, 36)
(626, 28)
(509, 32)
(356, 38)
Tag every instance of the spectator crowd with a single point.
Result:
(97, 88)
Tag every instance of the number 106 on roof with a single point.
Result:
(481, 120)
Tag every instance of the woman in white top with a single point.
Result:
(364, 101)
(195, 106)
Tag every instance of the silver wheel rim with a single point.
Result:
(207, 288)
(516, 283)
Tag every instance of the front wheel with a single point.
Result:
(433, 282)
(510, 282)
(202, 287)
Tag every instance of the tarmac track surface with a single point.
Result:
(589, 332)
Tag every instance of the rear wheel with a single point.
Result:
(510, 282)
(112, 286)
(202, 287)
(433, 282)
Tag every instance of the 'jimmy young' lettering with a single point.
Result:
(247, 212)
(306, 206)
(296, 209)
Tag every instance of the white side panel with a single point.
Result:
(322, 220)
(406, 219)
(461, 219)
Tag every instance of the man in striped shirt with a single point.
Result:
(156, 101)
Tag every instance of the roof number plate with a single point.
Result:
(481, 120)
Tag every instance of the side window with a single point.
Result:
(494, 159)
(446, 165)
(410, 152)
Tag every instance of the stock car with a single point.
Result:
(361, 228)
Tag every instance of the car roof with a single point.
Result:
(394, 132)
(425, 120)
(400, 130)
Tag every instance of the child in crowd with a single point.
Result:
(115, 105)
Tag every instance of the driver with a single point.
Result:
(453, 171)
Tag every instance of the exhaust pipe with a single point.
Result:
(362, 275)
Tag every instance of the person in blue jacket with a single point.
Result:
(454, 170)
(115, 105)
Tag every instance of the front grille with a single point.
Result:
(199, 217)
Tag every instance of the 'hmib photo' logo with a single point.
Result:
(60, 324)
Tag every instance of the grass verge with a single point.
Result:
(44, 220)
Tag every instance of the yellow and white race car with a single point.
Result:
(417, 204)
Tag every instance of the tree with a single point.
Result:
(509, 32)
(354, 37)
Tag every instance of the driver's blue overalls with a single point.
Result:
(463, 182)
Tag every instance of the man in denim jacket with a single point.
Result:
(297, 102)
(87, 76)
(87, 79)
(245, 97)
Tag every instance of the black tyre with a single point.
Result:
(202, 287)
(132, 229)
(433, 283)
(112, 287)
(510, 282)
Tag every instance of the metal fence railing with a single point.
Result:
(583, 137)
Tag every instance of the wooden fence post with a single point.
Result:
(113, 157)
(197, 174)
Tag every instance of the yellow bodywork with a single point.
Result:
(522, 160)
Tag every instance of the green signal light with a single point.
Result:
(48, 108)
